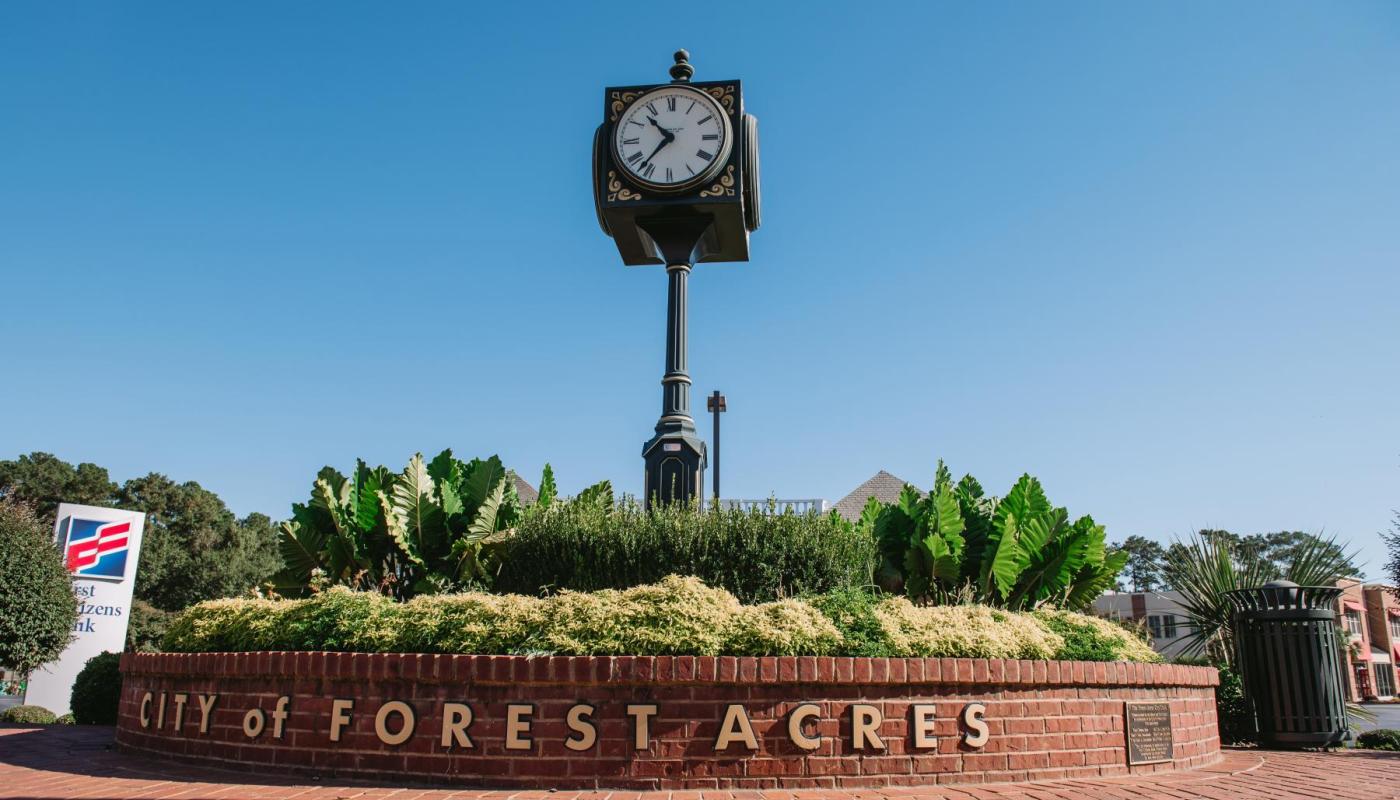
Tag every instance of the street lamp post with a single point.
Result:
(715, 404)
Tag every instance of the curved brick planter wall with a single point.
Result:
(1036, 719)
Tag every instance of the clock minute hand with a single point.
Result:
(663, 143)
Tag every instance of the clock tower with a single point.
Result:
(675, 183)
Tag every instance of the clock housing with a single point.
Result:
(726, 195)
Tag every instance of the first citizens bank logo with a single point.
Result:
(96, 549)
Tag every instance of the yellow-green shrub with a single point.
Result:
(471, 623)
(963, 632)
(674, 617)
(790, 627)
(677, 616)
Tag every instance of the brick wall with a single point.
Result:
(1036, 720)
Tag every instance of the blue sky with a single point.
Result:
(1149, 253)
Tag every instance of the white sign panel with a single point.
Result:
(100, 546)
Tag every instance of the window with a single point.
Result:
(1352, 620)
(1169, 626)
(1154, 624)
(1385, 680)
(1395, 628)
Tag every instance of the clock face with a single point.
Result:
(672, 138)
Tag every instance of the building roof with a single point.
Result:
(528, 494)
(882, 486)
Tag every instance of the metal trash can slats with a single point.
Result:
(1289, 662)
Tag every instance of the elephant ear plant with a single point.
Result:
(955, 545)
(433, 527)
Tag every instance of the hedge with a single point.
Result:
(37, 605)
(1379, 739)
(97, 690)
(756, 556)
(676, 616)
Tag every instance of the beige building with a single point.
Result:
(1159, 612)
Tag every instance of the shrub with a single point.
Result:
(28, 715)
(37, 604)
(676, 616)
(66, 719)
(472, 623)
(963, 632)
(757, 557)
(1093, 639)
(147, 626)
(791, 627)
(852, 611)
(1233, 711)
(1379, 739)
(97, 691)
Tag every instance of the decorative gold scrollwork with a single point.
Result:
(725, 186)
(616, 191)
(725, 95)
(621, 100)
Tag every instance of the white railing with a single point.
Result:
(778, 505)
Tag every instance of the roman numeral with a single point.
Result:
(668, 175)
(707, 118)
(647, 170)
(635, 157)
(671, 103)
(629, 141)
(704, 155)
(634, 122)
(688, 169)
(651, 108)
(709, 136)
(692, 107)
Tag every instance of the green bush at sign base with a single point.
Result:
(676, 616)
(97, 691)
(28, 715)
(1379, 739)
(755, 556)
(37, 606)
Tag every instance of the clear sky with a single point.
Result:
(1147, 252)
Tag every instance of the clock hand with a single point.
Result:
(669, 137)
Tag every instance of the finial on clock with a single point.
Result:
(681, 71)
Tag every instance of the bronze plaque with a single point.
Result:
(1149, 729)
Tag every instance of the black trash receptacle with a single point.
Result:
(1290, 663)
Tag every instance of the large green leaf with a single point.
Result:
(398, 529)
(548, 491)
(300, 543)
(484, 524)
(481, 478)
(423, 519)
(1006, 563)
(1001, 564)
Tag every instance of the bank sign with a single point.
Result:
(100, 547)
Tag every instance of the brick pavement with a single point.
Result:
(78, 762)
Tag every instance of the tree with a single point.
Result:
(1145, 560)
(37, 604)
(42, 481)
(1392, 545)
(1209, 566)
(194, 547)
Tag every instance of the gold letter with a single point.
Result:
(735, 718)
(160, 712)
(206, 705)
(456, 717)
(865, 724)
(923, 725)
(643, 713)
(340, 717)
(279, 715)
(800, 715)
(978, 732)
(145, 713)
(253, 723)
(381, 718)
(180, 700)
(580, 723)
(518, 726)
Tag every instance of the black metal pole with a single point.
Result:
(715, 400)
